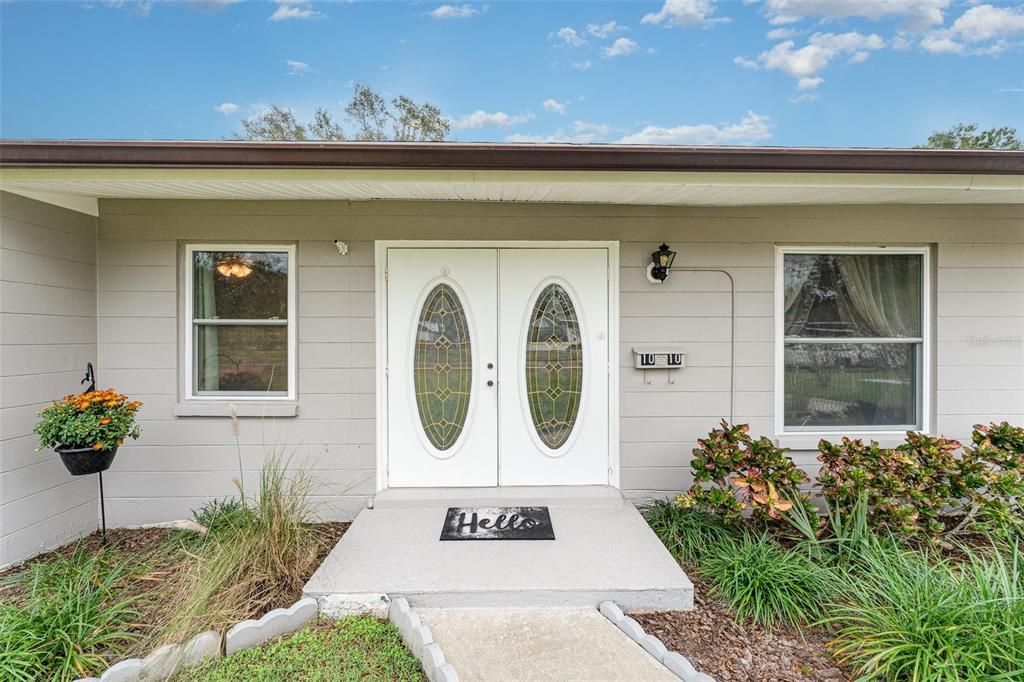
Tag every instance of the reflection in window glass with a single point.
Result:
(240, 321)
(853, 328)
(554, 366)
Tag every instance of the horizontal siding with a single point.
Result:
(47, 335)
(979, 278)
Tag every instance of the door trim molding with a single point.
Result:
(380, 260)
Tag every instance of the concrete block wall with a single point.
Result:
(47, 335)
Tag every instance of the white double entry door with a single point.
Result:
(497, 366)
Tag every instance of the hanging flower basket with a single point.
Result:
(86, 429)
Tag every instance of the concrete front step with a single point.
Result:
(521, 496)
(601, 552)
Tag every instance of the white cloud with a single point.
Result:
(621, 47)
(569, 36)
(685, 13)
(807, 62)
(210, 5)
(294, 9)
(781, 33)
(605, 30)
(453, 12)
(753, 128)
(226, 108)
(296, 68)
(583, 132)
(916, 14)
(805, 97)
(140, 8)
(979, 24)
(1012, 88)
(554, 105)
(481, 119)
(583, 66)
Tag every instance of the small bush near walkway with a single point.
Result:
(355, 649)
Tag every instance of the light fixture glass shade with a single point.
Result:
(234, 268)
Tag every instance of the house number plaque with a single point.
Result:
(497, 523)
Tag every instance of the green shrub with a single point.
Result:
(909, 615)
(744, 474)
(838, 538)
(355, 649)
(689, 534)
(766, 583)
(224, 516)
(70, 617)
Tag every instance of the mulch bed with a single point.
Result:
(716, 644)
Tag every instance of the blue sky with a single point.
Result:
(765, 72)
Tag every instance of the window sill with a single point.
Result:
(219, 408)
(809, 441)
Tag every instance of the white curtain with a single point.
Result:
(206, 336)
(883, 295)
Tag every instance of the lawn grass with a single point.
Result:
(354, 648)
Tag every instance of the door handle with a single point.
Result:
(490, 382)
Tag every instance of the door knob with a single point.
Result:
(490, 365)
(490, 382)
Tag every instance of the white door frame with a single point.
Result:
(380, 252)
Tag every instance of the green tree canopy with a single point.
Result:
(966, 136)
(375, 119)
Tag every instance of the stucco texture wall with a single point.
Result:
(978, 317)
(47, 334)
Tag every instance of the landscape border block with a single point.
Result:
(677, 664)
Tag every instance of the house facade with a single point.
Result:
(486, 316)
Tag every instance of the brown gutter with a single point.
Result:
(468, 156)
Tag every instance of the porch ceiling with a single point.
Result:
(592, 187)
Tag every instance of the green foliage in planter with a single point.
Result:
(99, 420)
(993, 473)
(689, 534)
(70, 617)
(744, 474)
(767, 583)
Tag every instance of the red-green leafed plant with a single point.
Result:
(744, 474)
(99, 420)
(993, 474)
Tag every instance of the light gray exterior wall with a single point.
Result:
(48, 334)
(978, 281)
(978, 339)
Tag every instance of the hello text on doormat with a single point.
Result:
(497, 523)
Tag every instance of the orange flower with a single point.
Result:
(106, 420)
(97, 446)
(120, 441)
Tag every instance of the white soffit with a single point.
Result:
(589, 187)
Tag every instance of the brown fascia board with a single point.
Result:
(481, 156)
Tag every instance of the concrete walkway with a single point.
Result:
(539, 645)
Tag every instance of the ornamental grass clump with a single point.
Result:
(914, 615)
(767, 583)
(689, 534)
(257, 559)
(70, 617)
(744, 475)
(100, 420)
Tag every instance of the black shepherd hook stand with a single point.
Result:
(90, 379)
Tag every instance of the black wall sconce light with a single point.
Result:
(661, 263)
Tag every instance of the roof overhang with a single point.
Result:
(616, 174)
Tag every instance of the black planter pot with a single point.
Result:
(82, 461)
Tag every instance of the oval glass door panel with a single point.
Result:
(554, 366)
(442, 367)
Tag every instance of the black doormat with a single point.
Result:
(497, 523)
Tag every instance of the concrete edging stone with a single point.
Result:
(166, 661)
(675, 662)
(420, 641)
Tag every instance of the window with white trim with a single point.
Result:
(852, 334)
(240, 314)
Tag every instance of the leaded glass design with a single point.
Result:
(442, 367)
(554, 366)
